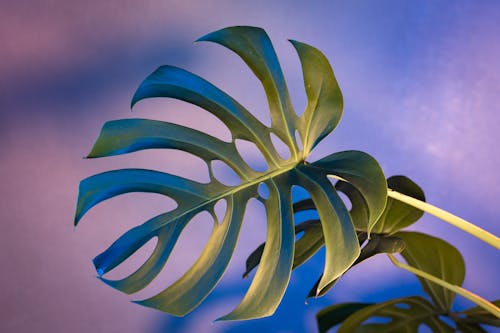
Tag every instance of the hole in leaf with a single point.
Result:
(254, 229)
(239, 82)
(423, 328)
(185, 114)
(299, 235)
(132, 263)
(186, 165)
(280, 147)
(378, 320)
(403, 306)
(295, 79)
(305, 216)
(299, 194)
(299, 140)
(186, 251)
(224, 174)
(251, 155)
(220, 209)
(345, 199)
(128, 210)
(447, 320)
(347, 202)
(263, 190)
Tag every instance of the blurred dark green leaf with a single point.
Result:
(479, 315)
(335, 314)
(403, 315)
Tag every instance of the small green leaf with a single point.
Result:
(435, 257)
(398, 215)
(253, 259)
(310, 242)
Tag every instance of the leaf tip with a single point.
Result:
(75, 221)
(206, 38)
(98, 268)
(133, 102)
(295, 43)
(137, 302)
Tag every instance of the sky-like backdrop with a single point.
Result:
(421, 85)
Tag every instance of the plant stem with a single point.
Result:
(476, 299)
(447, 217)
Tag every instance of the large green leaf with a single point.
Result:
(403, 315)
(437, 258)
(272, 277)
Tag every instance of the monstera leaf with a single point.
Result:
(322, 114)
(431, 255)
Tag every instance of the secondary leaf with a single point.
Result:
(404, 315)
(435, 257)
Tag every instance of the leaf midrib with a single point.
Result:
(232, 190)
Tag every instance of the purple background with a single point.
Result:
(421, 82)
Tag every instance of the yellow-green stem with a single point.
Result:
(476, 299)
(447, 217)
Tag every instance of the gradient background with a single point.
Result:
(421, 82)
